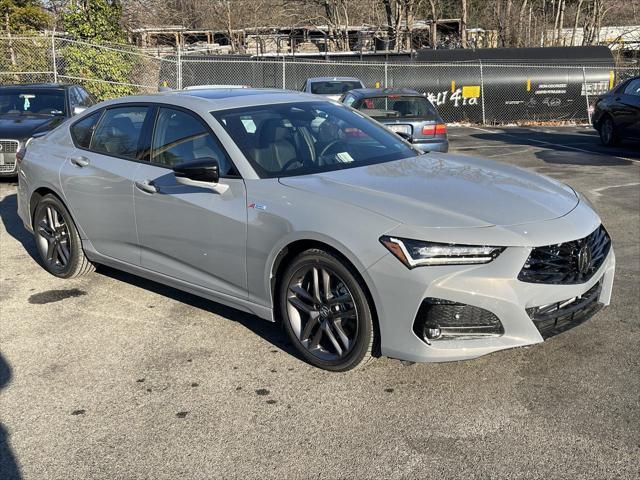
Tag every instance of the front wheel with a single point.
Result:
(58, 241)
(326, 312)
(607, 132)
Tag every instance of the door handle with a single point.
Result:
(146, 186)
(80, 161)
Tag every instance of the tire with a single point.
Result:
(332, 327)
(607, 132)
(58, 241)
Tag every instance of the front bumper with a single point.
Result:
(494, 287)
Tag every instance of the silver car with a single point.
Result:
(331, 87)
(306, 212)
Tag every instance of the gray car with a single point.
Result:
(304, 211)
(405, 112)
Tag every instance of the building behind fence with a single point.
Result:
(472, 91)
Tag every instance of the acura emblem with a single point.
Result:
(584, 258)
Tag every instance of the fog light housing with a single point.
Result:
(439, 319)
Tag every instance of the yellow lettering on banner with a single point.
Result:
(611, 79)
(529, 85)
(471, 91)
(453, 86)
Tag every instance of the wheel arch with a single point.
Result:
(39, 193)
(287, 253)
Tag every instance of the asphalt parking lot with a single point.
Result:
(110, 376)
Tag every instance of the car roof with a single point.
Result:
(334, 79)
(382, 92)
(32, 86)
(206, 100)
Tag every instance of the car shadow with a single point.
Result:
(269, 331)
(14, 227)
(585, 147)
(9, 469)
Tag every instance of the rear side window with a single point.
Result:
(82, 131)
(633, 88)
(118, 131)
(396, 106)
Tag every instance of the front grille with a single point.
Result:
(8, 149)
(567, 263)
(9, 146)
(8, 168)
(559, 317)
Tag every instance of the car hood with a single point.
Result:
(20, 127)
(448, 191)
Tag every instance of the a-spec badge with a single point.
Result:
(257, 206)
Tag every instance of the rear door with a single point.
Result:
(97, 179)
(195, 233)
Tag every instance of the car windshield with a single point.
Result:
(398, 106)
(32, 102)
(334, 87)
(309, 137)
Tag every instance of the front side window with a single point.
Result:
(309, 137)
(180, 137)
(118, 132)
(85, 98)
(82, 131)
(32, 102)
(398, 106)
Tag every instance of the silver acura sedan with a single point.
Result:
(304, 211)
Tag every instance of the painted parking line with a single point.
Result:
(567, 147)
(596, 191)
(473, 147)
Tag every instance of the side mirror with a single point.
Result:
(78, 110)
(202, 170)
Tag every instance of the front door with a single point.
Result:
(195, 233)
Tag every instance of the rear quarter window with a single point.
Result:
(82, 131)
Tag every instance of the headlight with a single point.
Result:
(415, 253)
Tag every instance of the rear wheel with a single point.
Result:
(326, 312)
(58, 241)
(607, 132)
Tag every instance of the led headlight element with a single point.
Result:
(415, 253)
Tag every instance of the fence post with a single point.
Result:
(586, 93)
(284, 75)
(53, 57)
(484, 119)
(386, 81)
(179, 67)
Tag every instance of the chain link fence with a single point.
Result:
(472, 92)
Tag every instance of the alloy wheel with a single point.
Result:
(53, 238)
(606, 131)
(322, 312)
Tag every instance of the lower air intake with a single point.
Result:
(439, 319)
